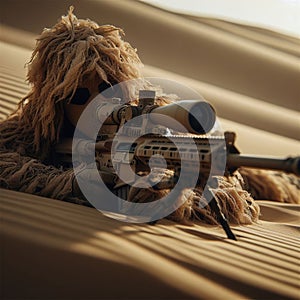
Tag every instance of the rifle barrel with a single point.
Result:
(289, 164)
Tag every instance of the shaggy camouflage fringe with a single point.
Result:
(236, 204)
(272, 185)
(69, 55)
(76, 53)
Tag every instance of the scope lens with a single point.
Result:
(202, 117)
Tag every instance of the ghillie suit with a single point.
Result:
(76, 54)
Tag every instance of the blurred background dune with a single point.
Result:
(250, 74)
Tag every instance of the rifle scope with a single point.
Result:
(197, 116)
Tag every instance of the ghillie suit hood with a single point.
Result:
(66, 56)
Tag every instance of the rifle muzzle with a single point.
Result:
(289, 164)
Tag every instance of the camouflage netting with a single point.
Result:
(77, 53)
